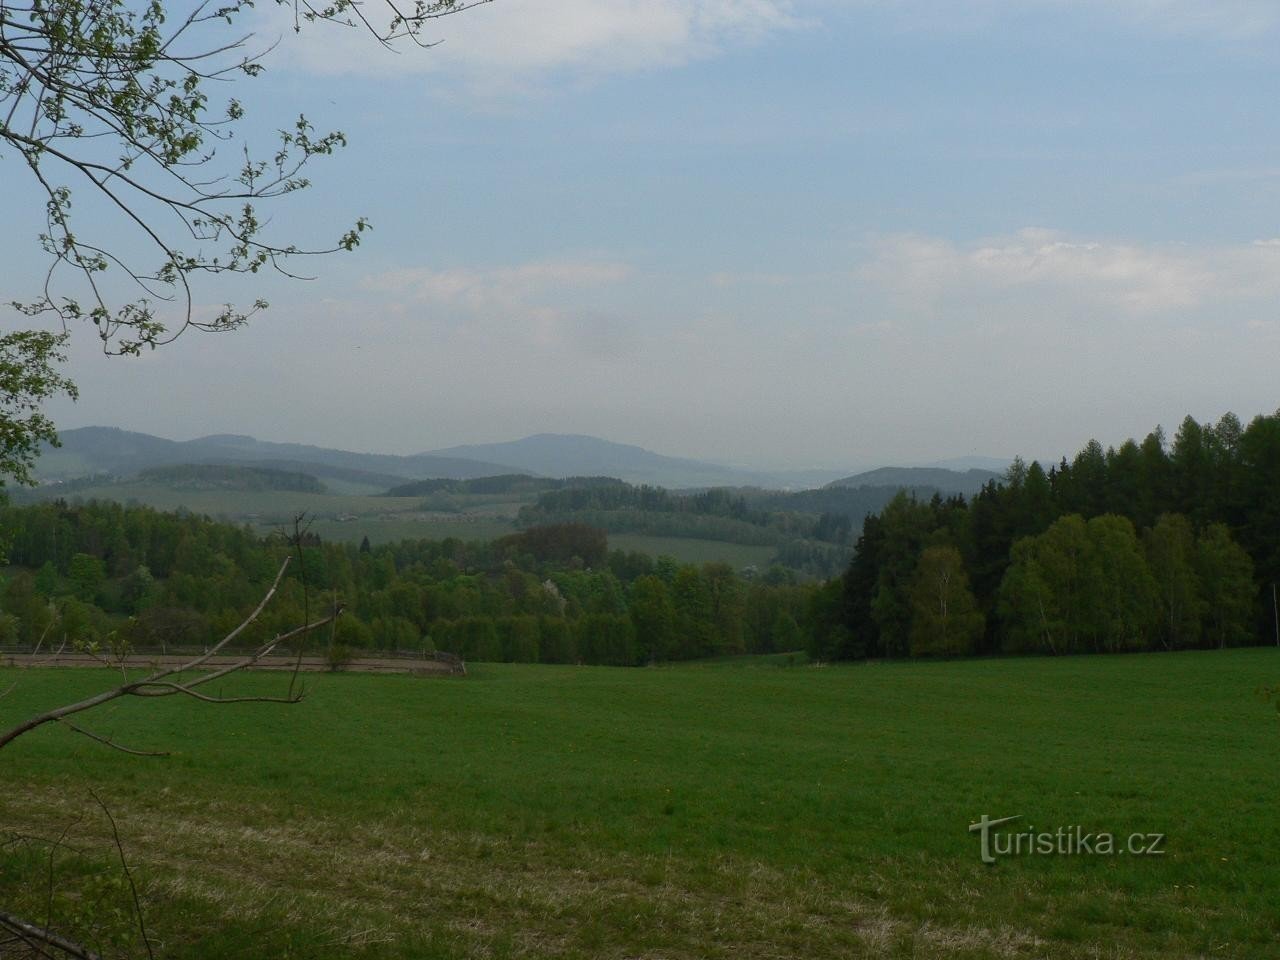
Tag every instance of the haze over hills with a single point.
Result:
(564, 455)
(90, 451)
(996, 464)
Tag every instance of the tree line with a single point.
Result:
(105, 574)
(1148, 546)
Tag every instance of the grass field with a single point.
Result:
(734, 809)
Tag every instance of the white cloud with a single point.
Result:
(1220, 19)
(498, 286)
(1053, 273)
(515, 40)
(541, 304)
(1238, 18)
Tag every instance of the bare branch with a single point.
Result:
(128, 874)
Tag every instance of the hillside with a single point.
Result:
(514, 483)
(90, 451)
(944, 481)
(212, 476)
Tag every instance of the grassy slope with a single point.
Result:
(688, 811)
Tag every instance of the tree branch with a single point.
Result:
(160, 683)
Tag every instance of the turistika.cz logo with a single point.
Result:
(1064, 841)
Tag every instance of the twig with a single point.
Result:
(128, 874)
(107, 742)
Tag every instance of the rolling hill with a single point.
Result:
(944, 481)
(90, 451)
(567, 455)
(94, 451)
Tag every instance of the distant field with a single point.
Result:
(391, 530)
(685, 550)
(269, 506)
(383, 519)
(480, 517)
(739, 809)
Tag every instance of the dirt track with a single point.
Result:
(416, 667)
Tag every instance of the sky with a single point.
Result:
(839, 233)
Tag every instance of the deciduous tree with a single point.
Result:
(945, 617)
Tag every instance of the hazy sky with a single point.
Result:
(764, 232)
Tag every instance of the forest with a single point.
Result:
(101, 574)
(1148, 546)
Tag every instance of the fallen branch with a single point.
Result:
(36, 938)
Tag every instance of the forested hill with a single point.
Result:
(966, 482)
(208, 476)
(122, 453)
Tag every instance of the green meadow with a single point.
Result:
(742, 808)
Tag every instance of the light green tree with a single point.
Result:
(945, 616)
(1229, 590)
(1119, 591)
(1078, 586)
(1041, 599)
(1171, 556)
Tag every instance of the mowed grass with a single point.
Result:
(707, 810)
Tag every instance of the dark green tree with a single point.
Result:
(654, 618)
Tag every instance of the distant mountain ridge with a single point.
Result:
(566, 455)
(109, 450)
(89, 451)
